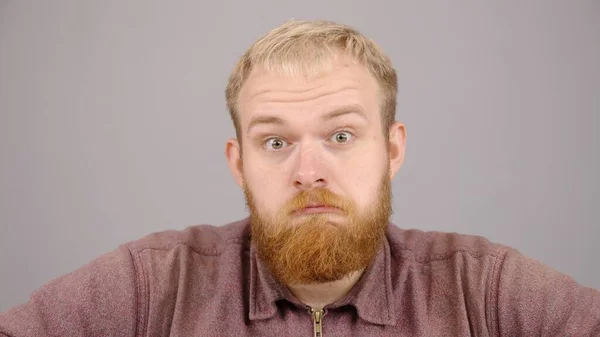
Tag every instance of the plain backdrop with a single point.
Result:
(113, 122)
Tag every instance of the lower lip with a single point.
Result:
(317, 210)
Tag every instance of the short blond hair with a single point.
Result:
(307, 48)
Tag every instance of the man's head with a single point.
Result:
(313, 104)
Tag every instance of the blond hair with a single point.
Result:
(307, 48)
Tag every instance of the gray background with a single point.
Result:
(113, 122)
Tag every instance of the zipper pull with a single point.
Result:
(318, 321)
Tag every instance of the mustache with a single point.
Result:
(321, 197)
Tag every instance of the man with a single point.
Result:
(313, 104)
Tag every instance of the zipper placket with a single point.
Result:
(317, 316)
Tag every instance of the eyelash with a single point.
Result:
(280, 138)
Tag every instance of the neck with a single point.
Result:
(318, 295)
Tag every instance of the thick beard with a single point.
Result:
(314, 249)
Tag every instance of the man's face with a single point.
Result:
(315, 170)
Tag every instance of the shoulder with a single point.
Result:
(426, 246)
(203, 239)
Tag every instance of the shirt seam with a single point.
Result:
(459, 249)
(141, 294)
(204, 251)
(496, 290)
(494, 293)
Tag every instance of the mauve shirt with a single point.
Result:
(207, 281)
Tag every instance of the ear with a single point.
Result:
(397, 144)
(234, 160)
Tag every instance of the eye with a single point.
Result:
(275, 144)
(341, 137)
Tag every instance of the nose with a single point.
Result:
(309, 172)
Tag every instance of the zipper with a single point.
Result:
(317, 316)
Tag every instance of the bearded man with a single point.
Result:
(317, 145)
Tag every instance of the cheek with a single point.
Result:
(266, 184)
(361, 178)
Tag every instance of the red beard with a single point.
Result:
(315, 248)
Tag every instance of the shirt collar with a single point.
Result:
(373, 302)
(264, 289)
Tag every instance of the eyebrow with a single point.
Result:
(265, 120)
(345, 110)
(337, 112)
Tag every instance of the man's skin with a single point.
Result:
(290, 141)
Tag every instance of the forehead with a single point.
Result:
(343, 83)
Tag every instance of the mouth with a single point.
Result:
(317, 209)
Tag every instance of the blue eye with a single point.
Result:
(341, 137)
(275, 144)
